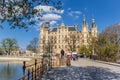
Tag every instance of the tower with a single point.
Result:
(43, 36)
(93, 28)
(84, 26)
(84, 32)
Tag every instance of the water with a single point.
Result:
(10, 71)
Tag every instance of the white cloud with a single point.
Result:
(37, 26)
(49, 17)
(76, 17)
(49, 13)
(74, 13)
(69, 9)
(49, 9)
(53, 22)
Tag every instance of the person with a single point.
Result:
(68, 63)
(62, 57)
(62, 53)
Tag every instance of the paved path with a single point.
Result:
(84, 69)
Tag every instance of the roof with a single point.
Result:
(54, 30)
(71, 29)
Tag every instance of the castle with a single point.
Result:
(65, 37)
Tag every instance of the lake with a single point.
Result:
(10, 71)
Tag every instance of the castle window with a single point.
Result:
(83, 41)
(62, 41)
(65, 36)
(43, 41)
(55, 47)
(43, 37)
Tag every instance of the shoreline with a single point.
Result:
(19, 60)
(12, 59)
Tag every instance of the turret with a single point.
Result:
(62, 24)
(84, 31)
(84, 20)
(76, 27)
(84, 25)
(93, 22)
(93, 28)
(43, 36)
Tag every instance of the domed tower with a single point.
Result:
(93, 28)
(84, 32)
(43, 39)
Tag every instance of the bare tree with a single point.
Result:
(33, 46)
(112, 33)
(108, 43)
(71, 41)
(50, 44)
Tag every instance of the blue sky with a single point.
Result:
(105, 12)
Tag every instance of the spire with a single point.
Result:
(93, 22)
(62, 24)
(84, 19)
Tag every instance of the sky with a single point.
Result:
(105, 12)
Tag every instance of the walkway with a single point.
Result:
(84, 69)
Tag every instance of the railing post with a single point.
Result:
(24, 67)
(28, 74)
(32, 74)
(35, 67)
(42, 66)
(51, 62)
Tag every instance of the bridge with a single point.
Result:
(84, 69)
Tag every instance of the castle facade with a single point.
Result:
(68, 38)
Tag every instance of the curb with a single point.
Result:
(109, 63)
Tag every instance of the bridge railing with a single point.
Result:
(32, 71)
(35, 70)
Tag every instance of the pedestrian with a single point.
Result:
(68, 63)
(62, 53)
(62, 61)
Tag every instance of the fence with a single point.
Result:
(35, 70)
(30, 72)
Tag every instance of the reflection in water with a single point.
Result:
(10, 71)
